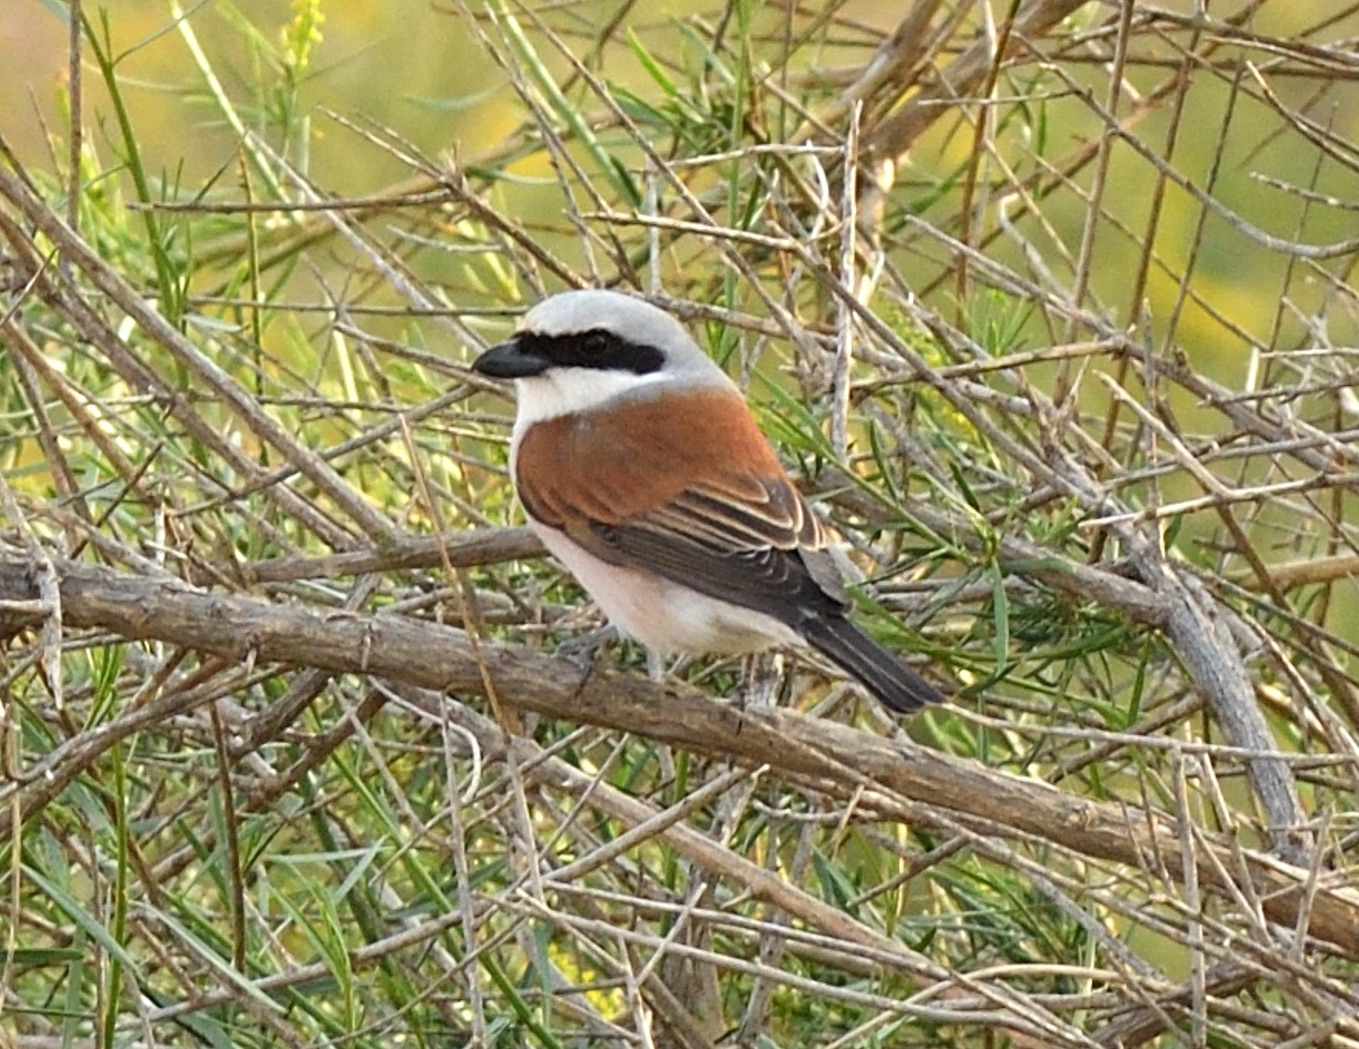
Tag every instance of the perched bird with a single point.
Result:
(641, 468)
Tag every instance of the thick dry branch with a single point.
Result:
(1309, 572)
(484, 546)
(833, 756)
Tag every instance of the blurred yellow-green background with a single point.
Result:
(245, 383)
(413, 67)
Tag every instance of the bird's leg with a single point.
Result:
(656, 669)
(655, 666)
(584, 650)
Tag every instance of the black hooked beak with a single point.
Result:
(514, 359)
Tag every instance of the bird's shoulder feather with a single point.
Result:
(686, 486)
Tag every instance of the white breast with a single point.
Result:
(662, 615)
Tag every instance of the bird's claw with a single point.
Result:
(583, 651)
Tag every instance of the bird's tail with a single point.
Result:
(881, 672)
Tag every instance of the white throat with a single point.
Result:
(566, 391)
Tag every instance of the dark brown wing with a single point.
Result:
(764, 555)
(686, 487)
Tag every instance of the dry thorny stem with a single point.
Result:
(263, 605)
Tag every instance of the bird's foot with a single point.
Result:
(584, 650)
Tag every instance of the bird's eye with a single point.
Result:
(594, 344)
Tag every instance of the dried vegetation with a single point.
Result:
(1049, 305)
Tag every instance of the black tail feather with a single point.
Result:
(877, 669)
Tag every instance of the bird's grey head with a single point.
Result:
(580, 349)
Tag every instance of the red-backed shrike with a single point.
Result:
(641, 468)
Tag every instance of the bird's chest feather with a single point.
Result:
(663, 615)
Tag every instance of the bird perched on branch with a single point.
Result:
(641, 468)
